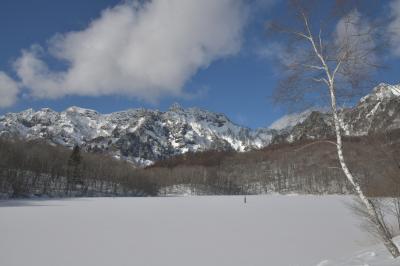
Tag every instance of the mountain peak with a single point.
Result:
(382, 92)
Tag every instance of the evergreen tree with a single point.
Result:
(75, 159)
(74, 163)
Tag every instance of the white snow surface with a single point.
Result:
(372, 256)
(269, 230)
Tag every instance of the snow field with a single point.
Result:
(268, 230)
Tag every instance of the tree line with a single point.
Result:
(30, 168)
(306, 167)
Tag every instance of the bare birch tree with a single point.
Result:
(330, 55)
(385, 218)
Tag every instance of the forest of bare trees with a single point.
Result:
(306, 167)
(34, 168)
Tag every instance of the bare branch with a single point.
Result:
(321, 80)
(313, 67)
(314, 143)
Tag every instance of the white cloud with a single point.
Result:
(276, 51)
(355, 41)
(8, 90)
(354, 33)
(290, 120)
(394, 27)
(141, 50)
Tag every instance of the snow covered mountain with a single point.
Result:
(143, 136)
(379, 110)
(375, 112)
(139, 135)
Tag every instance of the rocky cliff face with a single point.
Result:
(139, 135)
(143, 136)
(376, 112)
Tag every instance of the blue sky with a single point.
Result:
(238, 84)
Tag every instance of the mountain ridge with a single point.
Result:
(134, 134)
(143, 135)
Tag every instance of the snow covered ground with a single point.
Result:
(185, 231)
(372, 256)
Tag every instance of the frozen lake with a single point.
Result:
(193, 231)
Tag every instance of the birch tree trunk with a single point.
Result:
(326, 59)
(384, 234)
